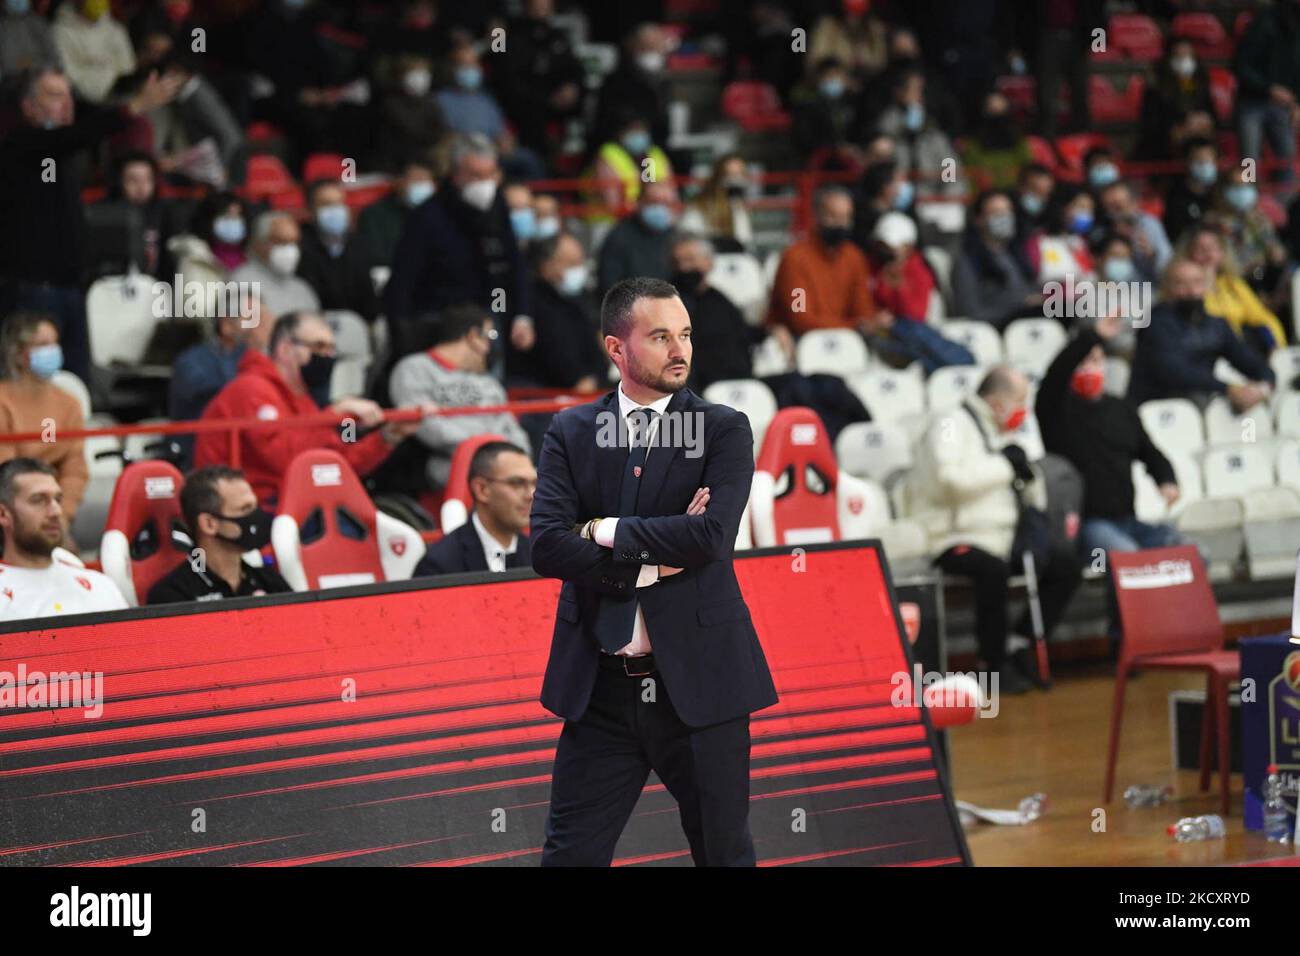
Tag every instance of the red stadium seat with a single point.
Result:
(1073, 148)
(456, 500)
(1021, 93)
(1137, 35)
(1242, 22)
(1041, 151)
(329, 534)
(800, 495)
(755, 106)
(323, 166)
(1149, 586)
(1273, 210)
(1206, 33)
(359, 197)
(1223, 91)
(139, 545)
(266, 174)
(1110, 105)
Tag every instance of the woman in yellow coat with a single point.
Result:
(1230, 297)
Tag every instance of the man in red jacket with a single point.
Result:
(277, 386)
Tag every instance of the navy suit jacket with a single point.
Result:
(463, 551)
(704, 642)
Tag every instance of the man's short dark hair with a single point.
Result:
(1034, 169)
(1198, 142)
(542, 251)
(996, 382)
(457, 321)
(200, 494)
(616, 308)
(14, 469)
(286, 327)
(316, 185)
(485, 457)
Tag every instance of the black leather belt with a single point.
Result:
(638, 666)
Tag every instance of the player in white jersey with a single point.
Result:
(32, 583)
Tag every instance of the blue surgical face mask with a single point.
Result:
(657, 216)
(574, 280)
(469, 77)
(1203, 171)
(636, 142)
(229, 229)
(524, 223)
(333, 219)
(906, 193)
(1079, 223)
(45, 360)
(1118, 270)
(914, 117)
(1031, 203)
(547, 226)
(1241, 196)
(418, 191)
(832, 88)
(1002, 226)
(1103, 174)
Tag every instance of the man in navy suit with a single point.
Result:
(502, 481)
(654, 661)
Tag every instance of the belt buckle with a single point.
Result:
(631, 673)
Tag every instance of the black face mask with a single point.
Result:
(316, 372)
(254, 530)
(688, 281)
(832, 236)
(736, 191)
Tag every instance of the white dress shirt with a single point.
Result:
(492, 549)
(640, 642)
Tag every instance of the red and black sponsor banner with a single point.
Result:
(398, 725)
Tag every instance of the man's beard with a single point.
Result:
(656, 380)
(31, 540)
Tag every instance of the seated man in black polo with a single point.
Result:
(502, 481)
(222, 513)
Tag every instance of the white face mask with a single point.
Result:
(652, 61)
(417, 82)
(574, 280)
(283, 258)
(480, 193)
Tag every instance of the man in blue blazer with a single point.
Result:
(654, 661)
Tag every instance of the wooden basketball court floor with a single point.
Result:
(1055, 742)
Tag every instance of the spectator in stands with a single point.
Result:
(1060, 248)
(470, 108)
(988, 283)
(539, 77)
(1143, 232)
(1176, 353)
(1100, 168)
(411, 117)
(41, 248)
(719, 213)
(825, 117)
(32, 583)
(203, 370)
(546, 208)
(636, 87)
(884, 188)
(568, 352)
(823, 281)
(759, 46)
(638, 246)
(272, 264)
(1102, 436)
(856, 38)
(214, 244)
(26, 40)
(380, 224)
(623, 165)
(1175, 103)
(721, 340)
(925, 153)
(459, 247)
(95, 48)
(901, 287)
(1034, 189)
(1268, 82)
(502, 481)
(965, 488)
(277, 386)
(1189, 198)
(134, 187)
(523, 217)
(998, 151)
(1229, 296)
(225, 520)
(454, 373)
(905, 56)
(332, 260)
(1235, 211)
(31, 402)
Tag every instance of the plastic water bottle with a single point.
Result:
(1276, 829)
(1032, 807)
(1208, 827)
(1146, 795)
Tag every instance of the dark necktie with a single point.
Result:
(622, 616)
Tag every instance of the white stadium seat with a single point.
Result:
(874, 450)
(120, 318)
(75, 387)
(1149, 504)
(863, 507)
(834, 351)
(1174, 424)
(980, 338)
(352, 339)
(1285, 363)
(889, 394)
(739, 277)
(1272, 530)
(1215, 526)
(749, 396)
(1034, 342)
(948, 387)
(1223, 426)
(1233, 470)
(1286, 410)
(1287, 462)
(940, 262)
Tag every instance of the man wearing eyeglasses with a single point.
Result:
(279, 385)
(502, 481)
